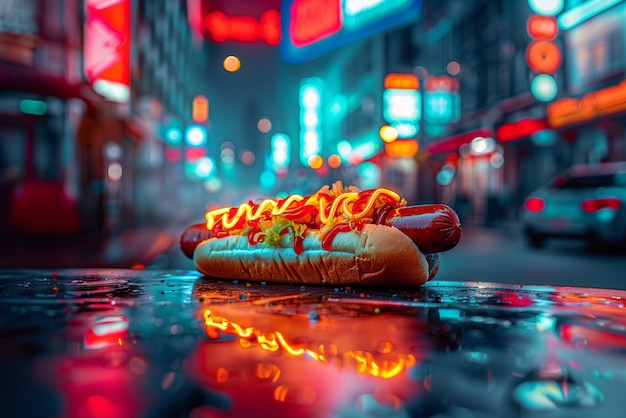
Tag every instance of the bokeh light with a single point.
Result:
(334, 161)
(453, 68)
(315, 161)
(114, 171)
(232, 63)
(213, 184)
(227, 155)
(247, 157)
(344, 148)
(546, 7)
(543, 87)
(204, 168)
(264, 125)
(388, 133)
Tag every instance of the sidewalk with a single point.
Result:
(133, 248)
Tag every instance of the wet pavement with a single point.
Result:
(126, 343)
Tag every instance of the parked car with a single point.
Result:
(585, 202)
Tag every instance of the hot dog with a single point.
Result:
(335, 236)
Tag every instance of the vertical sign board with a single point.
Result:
(543, 54)
(312, 28)
(402, 103)
(107, 48)
(310, 119)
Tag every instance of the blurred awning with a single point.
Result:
(453, 143)
(28, 79)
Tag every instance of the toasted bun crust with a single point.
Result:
(377, 256)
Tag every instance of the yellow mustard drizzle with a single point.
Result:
(346, 200)
(246, 209)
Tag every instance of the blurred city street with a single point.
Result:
(501, 255)
(359, 131)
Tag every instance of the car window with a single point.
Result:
(589, 182)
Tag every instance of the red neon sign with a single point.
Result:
(314, 20)
(107, 47)
(521, 129)
(244, 28)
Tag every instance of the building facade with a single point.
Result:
(512, 133)
(86, 90)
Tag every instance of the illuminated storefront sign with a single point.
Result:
(220, 27)
(592, 105)
(312, 28)
(107, 48)
(584, 11)
(402, 148)
(402, 103)
(312, 20)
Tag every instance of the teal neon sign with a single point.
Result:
(587, 10)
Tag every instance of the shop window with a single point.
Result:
(46, 152)
(12, 154)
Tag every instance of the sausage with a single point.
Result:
(192, 236)
(433, 228)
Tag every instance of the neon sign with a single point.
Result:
(222, 28)
(584, 11)
(314, 27)
(107, 48)
(442, 101)
(310, 120)
(542, 27)
(402, 148)
(592, 105)
(515, 130)
(402, 103)
(313, 20)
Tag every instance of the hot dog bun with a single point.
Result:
(379, 255)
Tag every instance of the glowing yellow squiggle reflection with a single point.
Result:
(361, 361)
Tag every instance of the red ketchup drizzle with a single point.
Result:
(298, 240)
(252, 236)
(327, 242)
